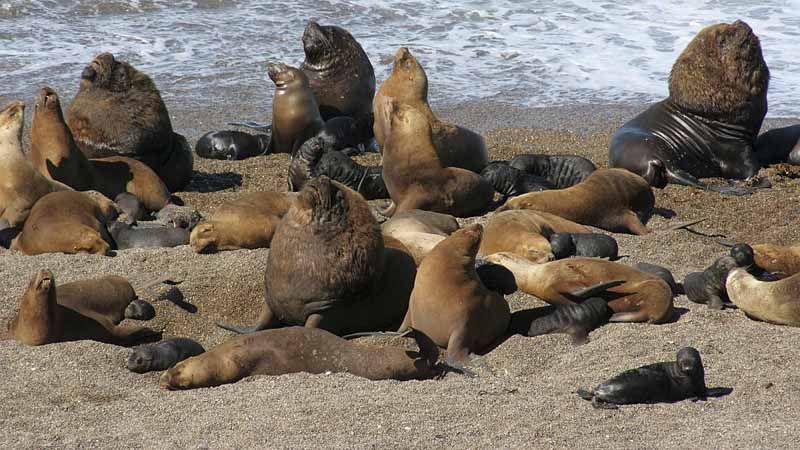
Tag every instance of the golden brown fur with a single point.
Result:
(771, 301)
(782, 261)
(295, 113)
(419, 230)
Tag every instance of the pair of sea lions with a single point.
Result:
(708, 286)
(522, 232)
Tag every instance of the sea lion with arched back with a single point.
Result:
(708, 125)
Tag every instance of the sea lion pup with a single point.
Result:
(356, 283)
(43, 319)
(147, 235)
(131, 209)
(55, 155)
(231, 145)
(653, 383)
(775, 302)
(295, 114)
(709, 123)
(22, 186)
(633, 295)
(408, 84)
(419, 231)
(562, 171)
(661, 272)
(301, 349)
(522, 232)
(247, 222)
(612, 199)
(595, 245)
(782, 261)
(780, 145)
(415, 177)
(449, 302)
(67, 222)
(118, 111)
(511, 182)
(708, 286)
(575, 320)
(162, 355)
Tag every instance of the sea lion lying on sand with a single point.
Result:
(162, 355)
(511, 182)
(562, 171)
(525, 233)
(575, 320)
(231, 145)
(771, 301)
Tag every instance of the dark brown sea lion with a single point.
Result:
(118, 111)
(612, 199)
(449, 302)
(562, 171)
(575, 320)
(162, 355)
(779, 145)
(55, 155)
(295, 114)
(45, 317)
(415, 177)
(21, 186)
(775, 302)
(231, 145)
(525, 233)
(709, 123)
(247, 222)
(408, 84)
(300, 349)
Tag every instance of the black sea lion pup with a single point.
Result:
(575, 320)
(708, 286)
(654, 383)
(661, 272)
(366, 180)
(779, 145)
(708, 124)
(512, 182)
(231, 145)
(596, 245)
(301, 349)
(562, 171)
(162, 355)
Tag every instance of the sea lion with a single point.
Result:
(131, 209)
(55, 155)
(775, 302)
(595, 245)
(301, 349)
(522, 232)
(612, 199)
(782, 261)
(22, 186)
(162, 355)
(118, 111)
(67, 222)
(562, 171)
(709, 123)
(660, 272)
(780, 145)
(575, 320)
(355, 282)
(634, 296)
(419, 231)
(408, 84)
(295, 114)
(7, 233)
(247, 222)
(653, 383)
(231, 145)
(708, 286)
(511, 182)
(147, 235)
(110, 297)
(43, 319)
(415, 179)
(178, 216)
(449, 302)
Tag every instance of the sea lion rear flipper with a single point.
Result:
(718, 392)
(263, 127)
(427, 348)
(265, 320)
(593, 291)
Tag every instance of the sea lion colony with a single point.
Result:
(334, 273)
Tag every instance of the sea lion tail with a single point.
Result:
(584, 394)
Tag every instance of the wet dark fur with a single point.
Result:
(511, 182)
(231, 145)
(575, 320)
(708, 286)
(595, 245)
(562, 171)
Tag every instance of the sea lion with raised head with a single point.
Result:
(408, 84)
(511, 182)
(708, 125)
(562, 171)
(779, 145)
(416, 179)
(162, 355)
(295, 114)
(231, 145)
(575, 320)
(612, 199)
(708, 286)
(769, 301)
(118, 111)
(522, 232)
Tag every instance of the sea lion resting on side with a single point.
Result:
(612, 199)
(522, 232)
(21, 186)
(511, 182)
(300, 349)
(779, 145)
(575, 320)
(771, 301)
(162, 355)
(118, 111)
(231, 145)
(44, 319)
(709, 123)
(147, 235)
(408, 84)
(594, 245)
(562, 171)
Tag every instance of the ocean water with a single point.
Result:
(537, 53)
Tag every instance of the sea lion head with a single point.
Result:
(204, 238)
(562, 245)
(42, 284)
(321, 204)
(722, 75)
(141, 360)
(326, 45)
(47, 102)
(285, 76)
(689, 361)
(11, 121)
(743, 255)
(106, 72)
(470, 238)
(408, 72)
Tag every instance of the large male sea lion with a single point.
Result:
(612, 199)
(415, 177)
(55, 155)
(21, 186)
(295, 114)
(771, 301)
(525, 233)
(708, 124)
(118, 111)
(408, 84)
(562, 171)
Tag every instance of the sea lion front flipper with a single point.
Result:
(678, 176)
(584, 394)
(266, 320)
(263, 127)
(593, 291)
(715, 302)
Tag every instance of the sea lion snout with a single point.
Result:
(47, 98)
(314, 39)
(277, 73)
(43, 280)
(689, 361)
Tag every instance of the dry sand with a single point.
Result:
(79, 395)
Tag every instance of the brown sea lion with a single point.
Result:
(449, 302)
(416, 179)
(634, 296)
(522, 232)
(782, 261)
(67, 222)
(612, 199)
(300, 349)
(770, 301)
(408, 84)
(247, 222)
(110, 297)
(45, 317)
(118, 111)
(295, 114)
(21, 186)
(55, 155)
(419, 230)
(328, 266)
(708, 125)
